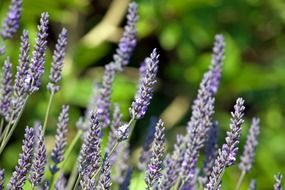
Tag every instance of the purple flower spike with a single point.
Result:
(60, 183)
(144, 94)
(211, 152)
(125, 184)
(24, 163)
(278, 182)
(172, 165)
(33, 79)
(40, 157)
(217, 62)
(227, 154)
(20, 92)
(252, 185)
(121, 59)
(90, 151)
(23, 66)
(128, 41)
(249, 148)
(103, 101)
(197, 129)
(6, 89)
(104, 182)
(2, 179)
(11, 22)
(57, 154)
(153, 170)
(57, 64)
(146, 150)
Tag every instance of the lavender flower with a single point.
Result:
(45, 186)
(2, 179)
(128, 42)
(116, 123)
(57, 64)
(19, 88)
(120, 131)
(217, 62)
(32, 81)
(145, 90)
(121, 163)
(90, 150)
(60, 183)
(146, 151)
(197, 129)
(2, 49)
(104, 182)
(278, 182)
(249, 148)
(154, 166)
(121, 59)
(6, 89)
(40, 157)
(103, 103)
(125, 184)
(57, 154)
(210, 153)
(227, 154)
(23, 66)
(252, 185)
(172, 164)
(11, 22)
(19, 175)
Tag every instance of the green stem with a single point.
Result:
(52, 181)
(8, 134)
(111, 152)
(66, 156)
(240, 180)
(71, 147)
(47, 111)
(1, 125)
(76, 183)
(6, 130)
(72, 178)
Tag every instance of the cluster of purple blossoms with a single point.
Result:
(121, 59)
(57, 153)
(24, 163)
(11, 22)
(247, 156)
(40, 157)
(155, 163)
(6, 89)
(144, 94)
(57, 64)
(178, 169)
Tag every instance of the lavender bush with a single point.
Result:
(105, 168)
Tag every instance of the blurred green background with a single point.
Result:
(183, 31)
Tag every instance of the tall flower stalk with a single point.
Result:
(227, 154)
(248, 154)
(56, 70)
(24, 163)
(120, 60)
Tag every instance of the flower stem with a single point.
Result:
(8, 133)
(66, 156)
(1, 125)
(240, 180)
(48, 110)
(72, 178)
(71, 147)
